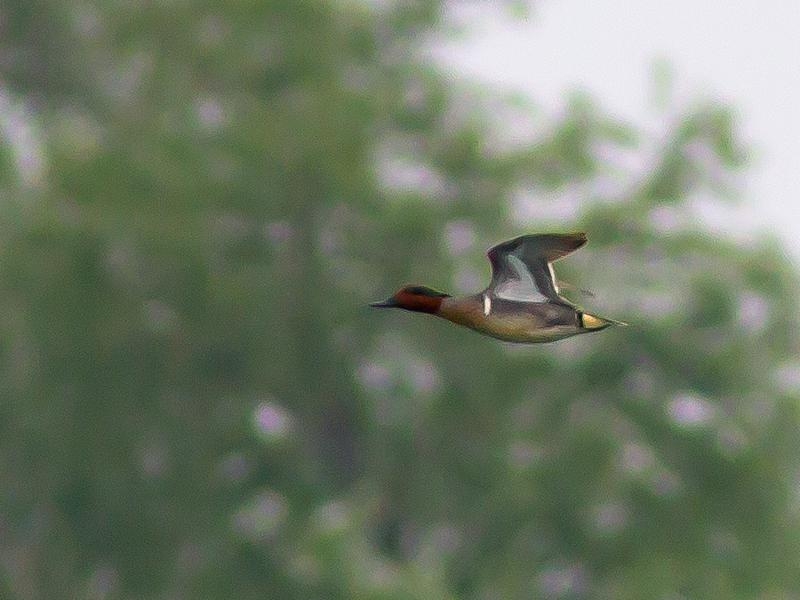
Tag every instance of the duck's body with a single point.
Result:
(512, 321)
(521, 304)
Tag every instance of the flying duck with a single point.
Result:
(521, 303)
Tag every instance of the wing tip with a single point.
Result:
(562, 244)
(552, 245)
(579, 237)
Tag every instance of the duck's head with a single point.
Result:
(414, 297)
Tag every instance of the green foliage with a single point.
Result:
(196, 402)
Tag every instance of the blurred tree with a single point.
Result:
(199, 200)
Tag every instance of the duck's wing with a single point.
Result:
(522, 268)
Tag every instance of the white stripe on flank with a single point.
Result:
(553, 277)
(487, 305)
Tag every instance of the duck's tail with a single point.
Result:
(594, 322)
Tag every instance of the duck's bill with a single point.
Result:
(388, 303)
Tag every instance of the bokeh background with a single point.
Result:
(198, 200)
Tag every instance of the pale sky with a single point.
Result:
(746, 53)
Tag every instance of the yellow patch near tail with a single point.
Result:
(592, 322)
